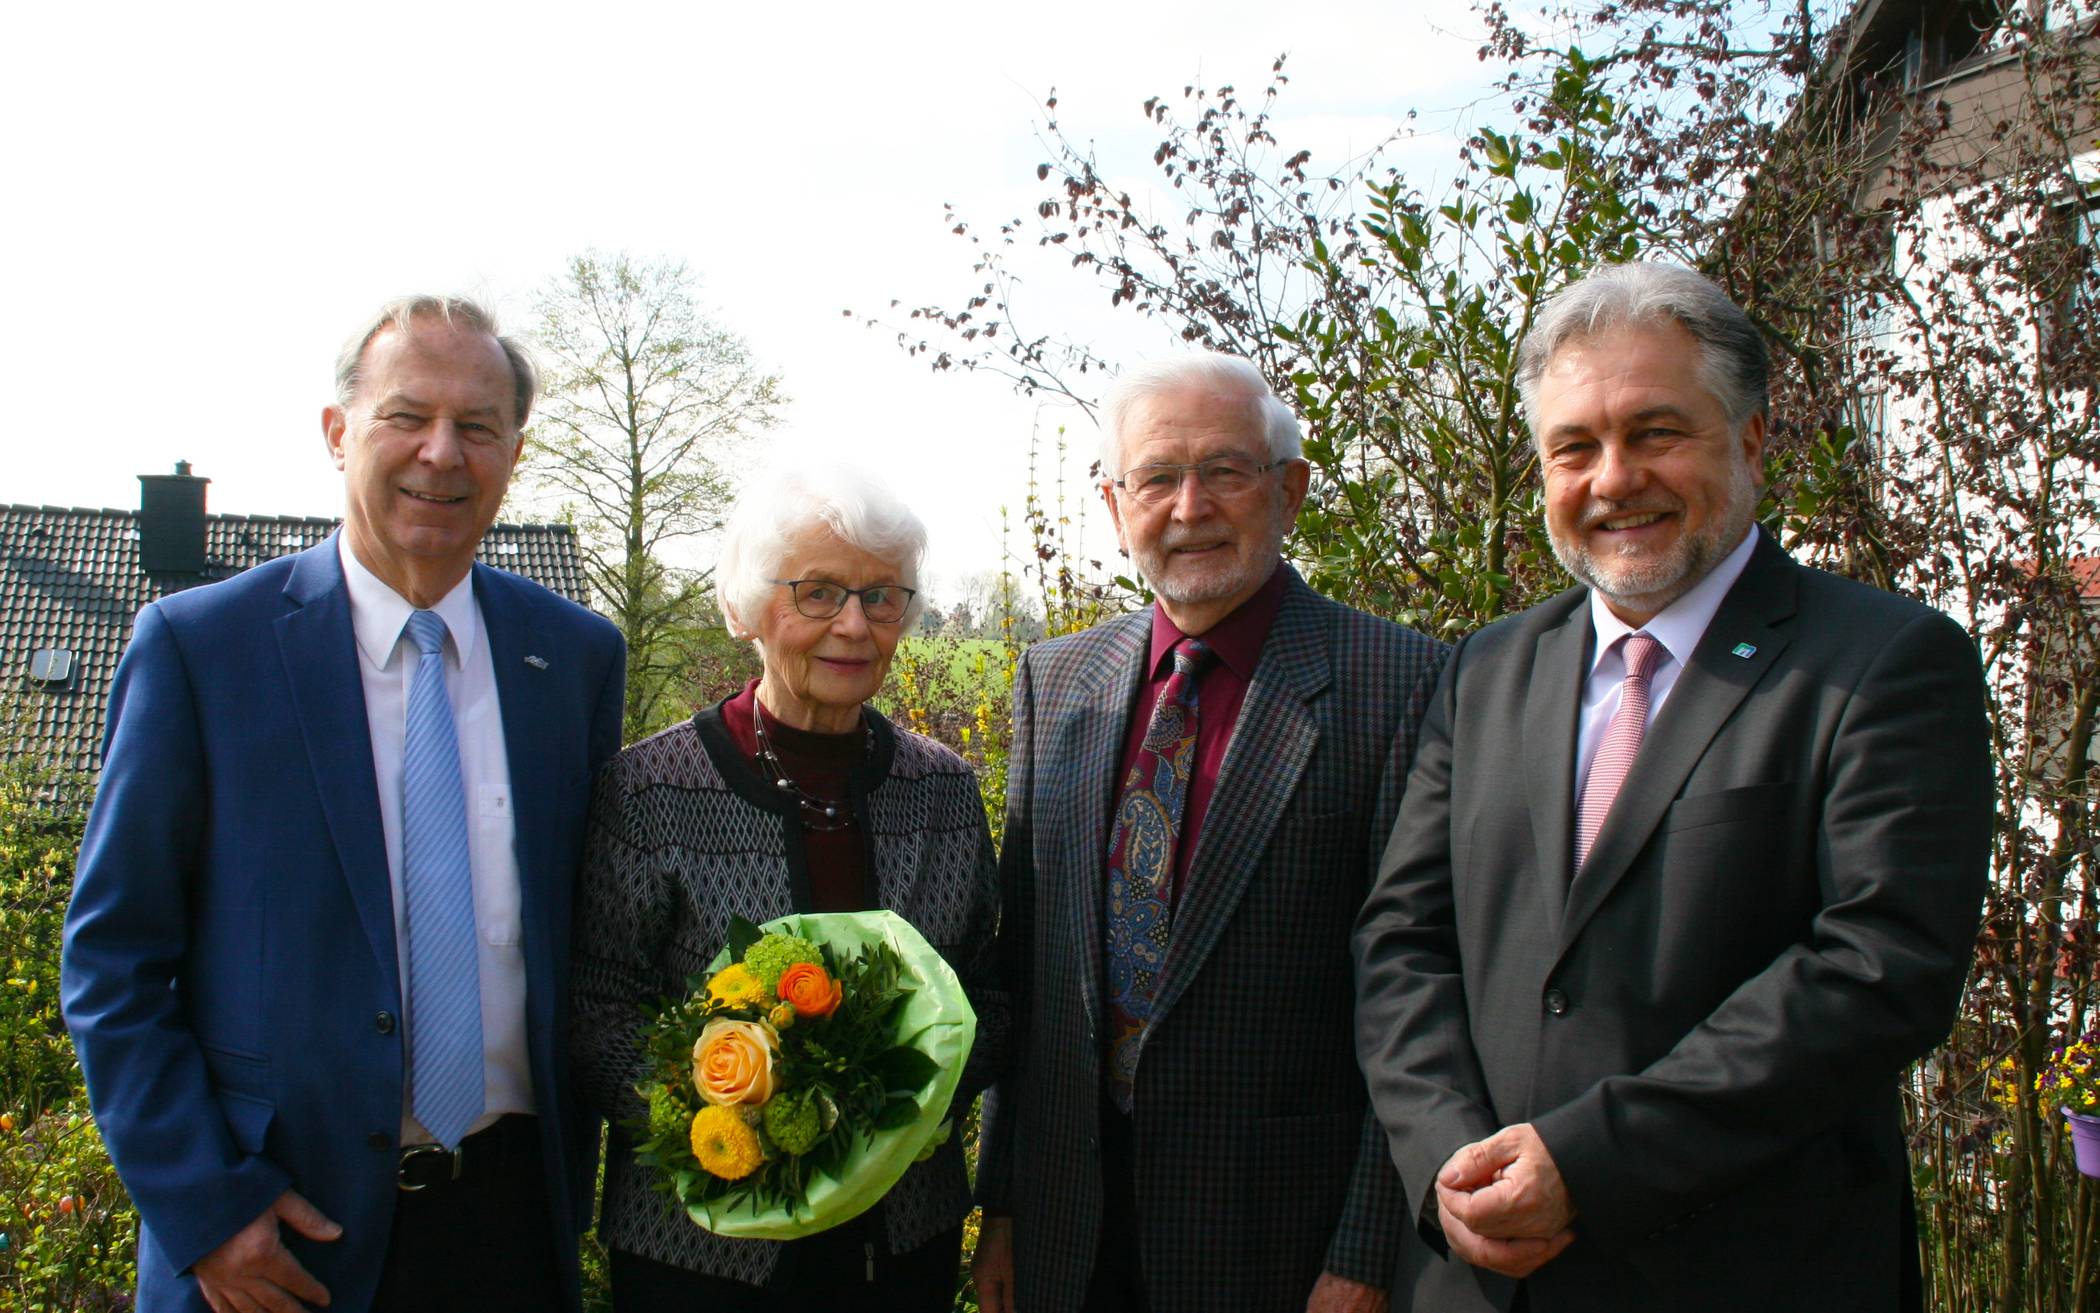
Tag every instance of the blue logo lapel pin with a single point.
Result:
(1743, 650)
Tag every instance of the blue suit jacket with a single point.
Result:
(230, 973)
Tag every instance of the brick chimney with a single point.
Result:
(171, 521)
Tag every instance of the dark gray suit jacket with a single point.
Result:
(1707, 1027)
(1258, 1164)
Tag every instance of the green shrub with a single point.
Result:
(67, 1229)
(39, 837)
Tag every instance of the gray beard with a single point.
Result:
(1651, 585)
(1211, 586)
(1181, 591)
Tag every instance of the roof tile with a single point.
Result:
(70, 578)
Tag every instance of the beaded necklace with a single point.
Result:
(821, 814)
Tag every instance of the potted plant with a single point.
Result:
(2071, 1081)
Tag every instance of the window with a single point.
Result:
(51, 667)
(2075, 273)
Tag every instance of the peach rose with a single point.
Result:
(811, 990)
(733, 1062)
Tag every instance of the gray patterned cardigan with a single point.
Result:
(683, 834)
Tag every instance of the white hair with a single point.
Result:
(784, 504)
(1733, 363)
(1204, 369)
(401, 314)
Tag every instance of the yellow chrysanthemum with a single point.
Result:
(725, 1145)
(735, 986)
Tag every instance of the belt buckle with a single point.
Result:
(416, 1153)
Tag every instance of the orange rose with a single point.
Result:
(809, 989)
(733, 1062)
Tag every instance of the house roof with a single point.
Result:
(2085, 570)
(70, 580)
(1956, 56)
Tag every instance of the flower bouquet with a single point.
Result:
(793, 1086)
(2071, 1080)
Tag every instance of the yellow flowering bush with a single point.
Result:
(2002, 1084)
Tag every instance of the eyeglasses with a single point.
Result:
(1224, 476)
(821, 599)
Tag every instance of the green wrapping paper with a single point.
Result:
(936, 1019)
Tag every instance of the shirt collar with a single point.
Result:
(1680, 625)
(1237, 639)
(378, 614)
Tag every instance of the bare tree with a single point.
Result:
(646, 399)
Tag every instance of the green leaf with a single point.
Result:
(1497, 149)
(897, 1113)
(904, 1069)
(742, 934)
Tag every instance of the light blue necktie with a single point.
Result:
(437, 887)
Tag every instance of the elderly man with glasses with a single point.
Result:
(1197, 799)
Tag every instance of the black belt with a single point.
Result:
(425, 1165)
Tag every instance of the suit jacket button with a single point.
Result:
(1556, 1003)
(380, 1140)
(384, 1022)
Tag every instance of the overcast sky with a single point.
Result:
(205, 198)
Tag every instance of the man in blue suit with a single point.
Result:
(342, 795)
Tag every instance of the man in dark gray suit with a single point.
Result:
(1197, 797)
(1687, 872)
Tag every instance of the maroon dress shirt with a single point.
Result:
(838, 859)
(1237, 640)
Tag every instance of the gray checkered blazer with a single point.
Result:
(683, 835)
(1258, 1164)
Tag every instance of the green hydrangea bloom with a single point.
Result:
(668, 1114)
(793, 1124)
(775, 953)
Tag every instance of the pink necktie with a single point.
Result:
(1622, 743)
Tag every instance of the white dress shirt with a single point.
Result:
(387, 662)
(1678, 627)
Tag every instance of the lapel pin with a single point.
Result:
(1743, 650)
(540, 662)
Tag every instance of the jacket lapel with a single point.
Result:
(1091, 738)
(328, 696)
(528, 750)
(1551, 713)
(1746, 636)
(1260, 771)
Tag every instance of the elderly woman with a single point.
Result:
(794, 795)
